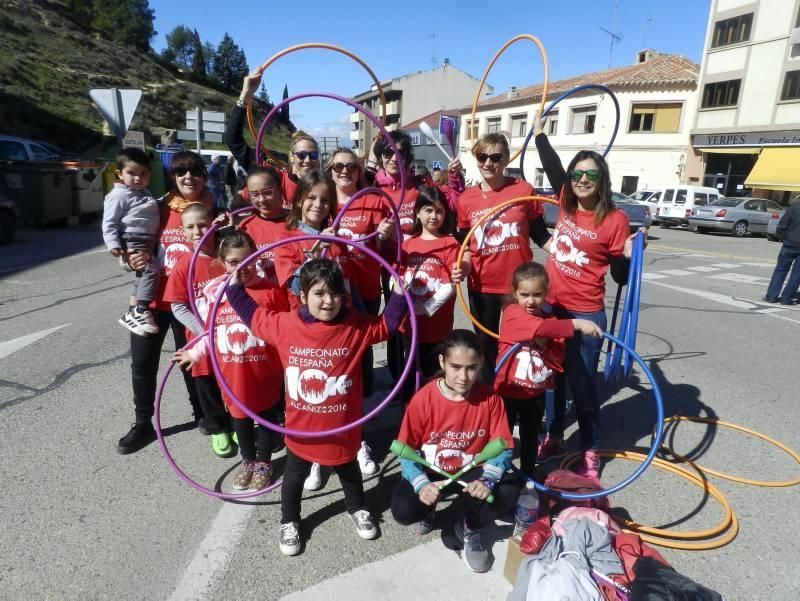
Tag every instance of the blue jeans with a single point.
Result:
(582, 354)
(787, 259)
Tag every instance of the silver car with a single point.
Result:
(772, 226)
(734, 215)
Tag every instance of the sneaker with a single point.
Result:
(770, 299)
(591, 465)
(241, 481)
(222, 445)
(314, 479)
(139, 436)
(365, 527)
(235, 438)
(788, 301)
(550, 448)
(262, 474)
(365, 462)
(140, 323)
(474, 554)
(290, 538)
(425, 525)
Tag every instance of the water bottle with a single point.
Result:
(527, 510)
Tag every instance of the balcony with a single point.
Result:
(355, 117)
(354, 134)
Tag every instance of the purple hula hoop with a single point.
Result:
(398, 232)
(168, 456)
(212, 319)
(193, 261)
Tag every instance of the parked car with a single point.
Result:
(638, 215)
(9, 215)
(735, 215)
(678, 202)
(772, 226)
(22, 149)
(642, 196)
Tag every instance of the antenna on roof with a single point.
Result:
(615, 37)
(433, 49)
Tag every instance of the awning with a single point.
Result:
(746, 150)
(776, 169)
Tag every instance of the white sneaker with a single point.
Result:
(365, 527)
(141, 324)
(314, 479)
(365, 462)
(290, 538)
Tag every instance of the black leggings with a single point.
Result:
(530, 412)
(428, 361)
(486, 307)
(256, 442)
(145, 355)
(296, 472)
(408, 509)
(215, 417)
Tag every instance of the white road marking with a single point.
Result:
(740, 278)
(214, 553)
(12, 346)
(703, 269)
(653, 276)
(759, 264)
(726, 265)
(676, 272)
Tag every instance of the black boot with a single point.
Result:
(139, 436)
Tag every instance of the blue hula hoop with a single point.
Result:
(656, 444)
(591, 86)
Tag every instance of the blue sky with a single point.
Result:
(396, 38)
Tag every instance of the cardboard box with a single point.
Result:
(513, 558)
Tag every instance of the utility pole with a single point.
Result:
(615, 37)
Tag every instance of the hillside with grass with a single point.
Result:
(49, 62)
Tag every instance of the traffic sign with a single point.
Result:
(134, 139)
(184, 134)
(206, 125)
(437, 164)
(117, 106)
(207, 116)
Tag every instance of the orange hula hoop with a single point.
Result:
(323, 46)
(465, 247)
(523, 36)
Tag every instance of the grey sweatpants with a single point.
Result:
(144, 285)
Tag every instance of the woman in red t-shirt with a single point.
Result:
(590, 235)
(502, 243)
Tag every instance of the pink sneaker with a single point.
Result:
(550, 448)
(591, 466)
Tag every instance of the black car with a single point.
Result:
(638, 215)
(8, 219)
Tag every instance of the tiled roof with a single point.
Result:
(659, 70)
(432, 120)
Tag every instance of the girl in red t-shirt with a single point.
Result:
(251, 368)
(429, 270)
(524, 377)
(590, 235)
(448, 422)
(320, 347)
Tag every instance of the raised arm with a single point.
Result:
(551, 163)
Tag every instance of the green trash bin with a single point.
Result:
(42, 190)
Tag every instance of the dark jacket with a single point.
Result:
(789, 226)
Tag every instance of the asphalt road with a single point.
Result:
(82, 522)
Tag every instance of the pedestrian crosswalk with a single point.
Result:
(715, 271)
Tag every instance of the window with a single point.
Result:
(551, 127)
(414, 135)
(680, 197)
(668, 194)
(721, 93)
(583, 120)
(519, 126)
(493, 125)
(12, 151)
(468, 129)
(538, 178)
(732, 31)
(629, 184)
(700, 198)
(40, 153)
(791, 86)
(753, 205)
(656, 118)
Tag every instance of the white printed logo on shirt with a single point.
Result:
(531, 368)
(314, 386)
(495, 233)
(564, 251)
(236, 338)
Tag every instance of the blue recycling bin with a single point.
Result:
(165, 153)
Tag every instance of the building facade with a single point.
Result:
(410, 97)
(657, 98)
(426, 153)
(746, 133)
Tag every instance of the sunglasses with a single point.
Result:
(349, 167)
(303, 155)
(181, 171)
(495, 157)
(387, 153)
(591, 174)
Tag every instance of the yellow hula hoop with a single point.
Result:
(323, 46)
(465, 247)
(710, 420)
(669, 538)
(522, 36)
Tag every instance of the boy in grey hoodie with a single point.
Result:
(131, 221)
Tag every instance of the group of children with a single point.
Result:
(292, 329)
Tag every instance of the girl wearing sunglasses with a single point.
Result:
(590, 235)
(303, 151)
(501, 244)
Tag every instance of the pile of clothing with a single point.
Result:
(576, 552)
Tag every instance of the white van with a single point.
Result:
(677, 203)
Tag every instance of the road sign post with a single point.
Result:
(117, 107)
(203, 126)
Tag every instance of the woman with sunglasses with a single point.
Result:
(303, 151)
(590, 235)
(188, 175)
(502, 243)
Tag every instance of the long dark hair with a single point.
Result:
(428, 196)
(464, 338)
(604, 207)
(235, 239)
(304, 187)
(322, 271)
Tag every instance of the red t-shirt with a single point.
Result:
(264, 232)
(530, 371)
(322, 370)
(426, 264)
(504, 240)
(450, 433)
(251, 368)
(177, 291)
(406, 210)
(362, 218)
(579, 256)
(289, 186)
(172, 246)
